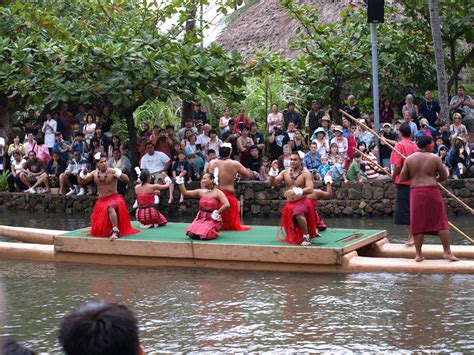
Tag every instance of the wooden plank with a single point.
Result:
(201, 251)
(366, 241)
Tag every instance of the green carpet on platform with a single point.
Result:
(258, 235)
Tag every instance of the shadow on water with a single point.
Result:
(235, 311)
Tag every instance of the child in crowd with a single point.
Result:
(211, 155)
(353, 173)
(442, 153)
(194, 172)
(333, 154)
(324, 168)
(254, 162)
(337, 172)
(180, 165)
(264, 169)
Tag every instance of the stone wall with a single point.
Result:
(258, 199)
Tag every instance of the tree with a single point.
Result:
(439, 56)
(51, 53)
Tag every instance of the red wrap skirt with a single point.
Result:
(427, 210)
(293, 232)
(319, 221)
(231, 217)
(101, 226)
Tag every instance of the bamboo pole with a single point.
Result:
(388, 173)
(458, 200)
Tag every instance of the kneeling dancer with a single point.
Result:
(146, 213)
(212, 202)
(110, 216)
(427, 210)
(298, 217)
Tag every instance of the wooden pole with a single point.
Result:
(458, 200)
(388, 173)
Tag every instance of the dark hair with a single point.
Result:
(246, 127)
(116, 136)
(211, 151)
(149, 143)
(99, 327)
(11, 347)
(211, 175)
(359, 143)
(144, 175)
(39, 140)
(224, 152)
(423, 141)
(372, 146)
(357, 155)
(253, 147)
(290, 103)
(94, 140)
(192, 156)
(79, 134)
(181, 152)
(211, 131)
(116, 150)
(405, 130)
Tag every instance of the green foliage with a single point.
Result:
(3, 181)
(156, 112)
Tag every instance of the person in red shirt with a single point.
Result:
(402, 188)
(241, 121)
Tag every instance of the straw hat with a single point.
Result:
(338, 128)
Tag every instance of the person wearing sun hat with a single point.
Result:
(321, 141)
(342, 142)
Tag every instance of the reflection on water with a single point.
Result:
(211, 310)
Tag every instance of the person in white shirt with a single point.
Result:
(203, 139)
(49, 129)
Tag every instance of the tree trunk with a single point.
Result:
(452, 50)
(6, 121)
(132, 133)
(336, 105)
(439, 57)
(186, 111)
(191, 13)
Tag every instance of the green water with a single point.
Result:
(239, 311)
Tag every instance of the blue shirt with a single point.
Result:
(58, 146)
(311, 162)
(324, 169)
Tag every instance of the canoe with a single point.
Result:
(337, 250)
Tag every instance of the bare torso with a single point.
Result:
(423, 169)
(296, 180)
(106, 182)
(228, 170)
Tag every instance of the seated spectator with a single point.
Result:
(461, 103)
(115, 144)
(88, 129)
(312, 159)
(54, 169)
(188, 125)
(407, 118)
(62, 147)
(70, 176)
(257, 137)
(144, 130)
(290, 115)
(353, 173)
(442, 152)
(30, 143)
(412, 110)
(42, 151)
(457, 129)
(337, 172)
(211, 155)
(321, 141)
(230, 136)
(323, 168)
(241, 121)
(203, 138)
(162, 142)
(254, 162)
(81, 114)
(284, 159)
(195, 171)
(15, 169)
(444, 134)
(342, 142)
(224, 120)
(213, 144)
(388, 136)
(16, 145)
(264, 169)
(274, 118)
(291, 129)
(199, 126)
(192, 148)
(79, 145)
(333, 156)
(100, 328)
(364, 135)
(155, 162)
(298, 144)
(31, 172)
(372, 171)
(103, 139)
(244, 142)
(119, 161)
(459, 160)
(425, 129)
(276, 140)
(95, 148)
(180, 167)
(75, 130)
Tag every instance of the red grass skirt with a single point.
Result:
(427, 210)
(231, 217)
(301, 207)
(101, 226)
(150, 215)
(319, 220)
(204, 226)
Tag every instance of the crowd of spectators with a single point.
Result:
(51, 150)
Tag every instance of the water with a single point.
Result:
(210, 310)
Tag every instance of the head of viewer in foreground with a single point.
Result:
(99, 328)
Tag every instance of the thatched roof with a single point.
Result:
(266, 25)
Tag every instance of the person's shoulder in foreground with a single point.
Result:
(100, 328)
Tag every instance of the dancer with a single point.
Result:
(225, 170)
(427, 210)
(297, 219)
(320, 195)
(212, 203)
(146, 213)
(110, 216)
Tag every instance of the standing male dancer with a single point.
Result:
(225, 170)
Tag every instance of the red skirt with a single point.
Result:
(150, 215)
(427, 210)
(204, 226)
(101, 226)
(293, 232)
(319, 221)
(231, 217)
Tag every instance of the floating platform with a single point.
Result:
(337, 250)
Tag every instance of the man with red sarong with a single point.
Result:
(316, 195)
(427, 210)
(225, 171)
(110, 216)
(298, 218)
